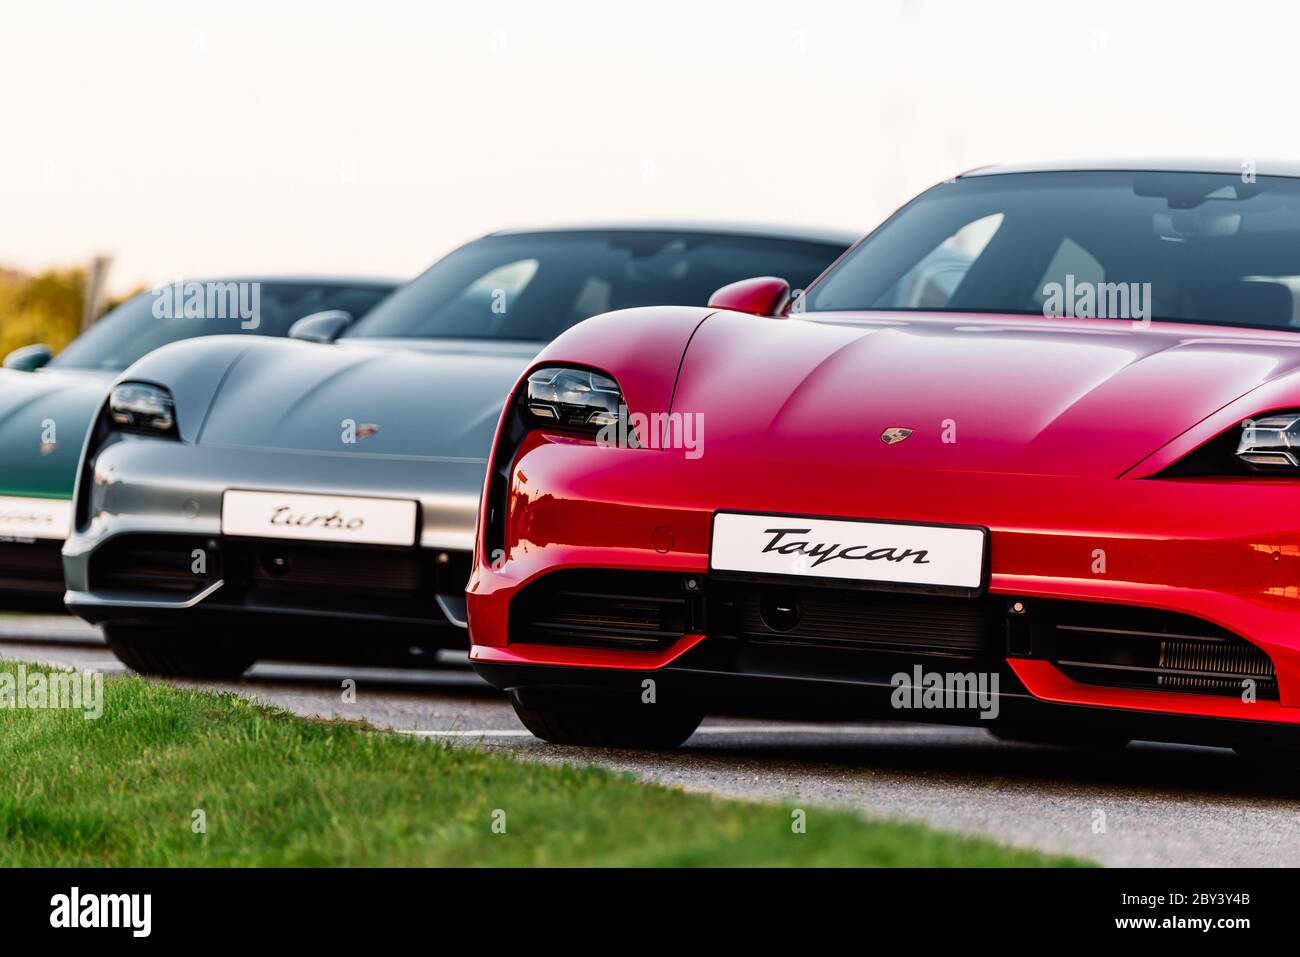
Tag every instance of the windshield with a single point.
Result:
(532, 287)
(171, 313)
(1178, 247)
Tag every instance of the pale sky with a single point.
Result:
(372, 137)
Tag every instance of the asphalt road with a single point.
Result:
(1147, 805)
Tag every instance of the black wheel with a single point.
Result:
(1061, 736)
(593, 724)
(176, 653)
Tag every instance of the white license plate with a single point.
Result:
(35, 518)
(318, 518)
(887, 552)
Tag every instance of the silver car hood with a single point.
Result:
(385, 398)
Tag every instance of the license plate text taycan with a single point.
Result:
(849, 550)
(318, 518)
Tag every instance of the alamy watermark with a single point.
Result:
(934, 690)
(183, 299)
(133, 912)
(24, 690)
(655, 430)
(1080, 299)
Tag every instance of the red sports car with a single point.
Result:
(1025, 458)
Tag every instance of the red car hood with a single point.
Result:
(982, 393)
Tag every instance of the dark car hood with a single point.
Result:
(31, 401)
(428, 399)
(982, 393)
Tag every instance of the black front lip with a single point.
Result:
(264, 614)
(755, 690)
(293, 635)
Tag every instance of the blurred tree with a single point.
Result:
(44, 308)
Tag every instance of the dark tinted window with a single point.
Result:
(534, 286)
(135, 328)
(1207, 248)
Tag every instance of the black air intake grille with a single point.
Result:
(1093, 642)
(606, 609)
(153, 563)
(325, 578)
(1118, 646)
(323, 568)
(852, 620)
(344, 579)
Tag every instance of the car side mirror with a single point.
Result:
(29, 358)
(321, 326)
(764, 296)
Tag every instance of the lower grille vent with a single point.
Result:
(607, 609)
(1096, 643)
(852, 620)
(404, 583)
(163, 564)
(1163, 651)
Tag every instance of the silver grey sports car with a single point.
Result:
(315, 497)
(48, 402)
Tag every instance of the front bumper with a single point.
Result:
(150, 508)
(1225, 552)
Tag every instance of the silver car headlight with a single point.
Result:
(1271, 443)
(142, 408)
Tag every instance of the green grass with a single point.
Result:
(281, 790)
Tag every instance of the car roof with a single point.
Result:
(1233, 166)
(808, 234)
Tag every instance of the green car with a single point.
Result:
(47, 402)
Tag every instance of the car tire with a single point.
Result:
(647, 727)
(172, 654)
(1061, 736)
